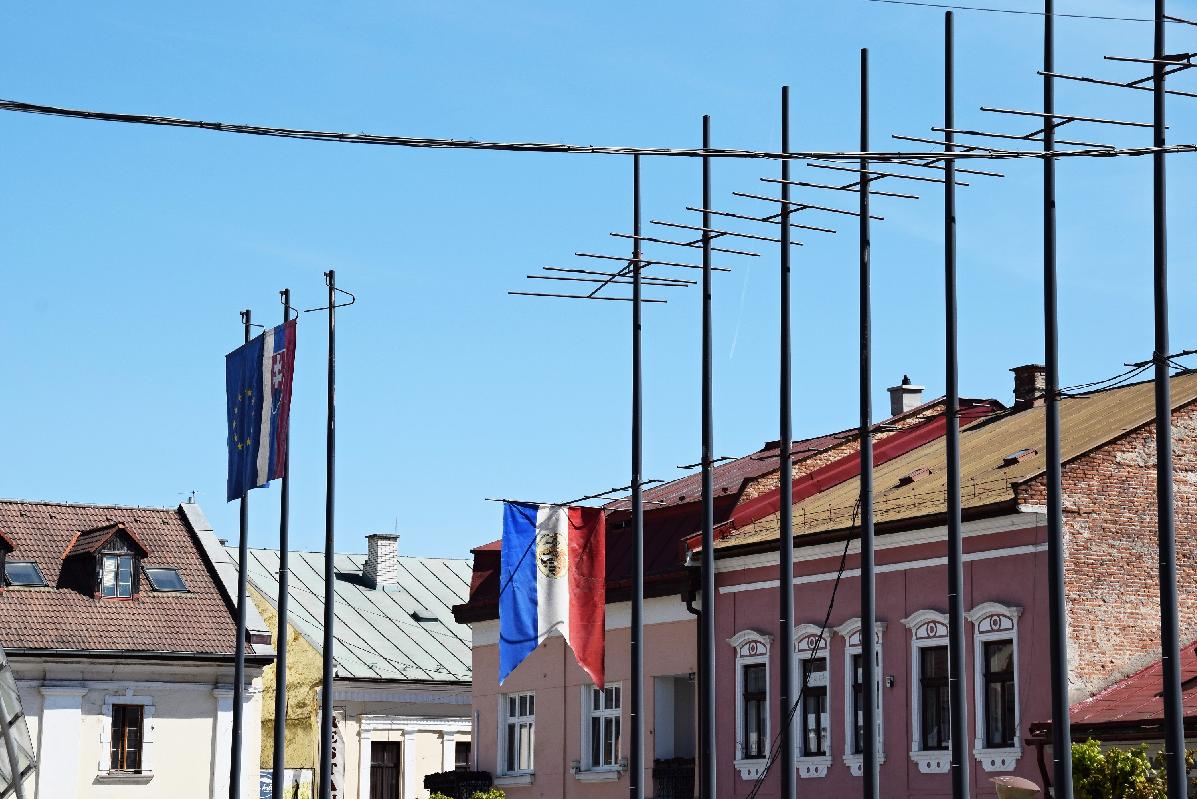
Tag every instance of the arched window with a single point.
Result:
(930, 714)
(854, 695)
(752, 701)
(995, 674)
(812, 667)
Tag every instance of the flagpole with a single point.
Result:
(239, 662)
(326, 694)
(279, 763)
(636, 714)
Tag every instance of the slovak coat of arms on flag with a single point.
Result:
(258, 377)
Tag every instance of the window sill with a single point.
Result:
(855, 763)
(508, 780)
(998, 759)
(750, 769)
(935, 761)
(817, 766)
(124, 777)
(597, 775)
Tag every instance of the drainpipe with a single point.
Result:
(700, 679)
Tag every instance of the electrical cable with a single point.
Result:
(1021, 12)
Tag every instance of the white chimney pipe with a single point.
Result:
(904, 397)
(382, 560)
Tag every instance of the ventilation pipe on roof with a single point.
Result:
(1030, 385)
(382, 560)
(904, 397)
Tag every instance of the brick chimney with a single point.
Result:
(904, 397)
(382, 560)
(1030, 385)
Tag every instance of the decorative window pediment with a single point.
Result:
(927, 625)
(993, 617)
(751, 644)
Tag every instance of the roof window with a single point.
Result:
(166, 580)
(1019, 457)
(24, 573)
(917, 474)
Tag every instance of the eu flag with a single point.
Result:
(258, 378)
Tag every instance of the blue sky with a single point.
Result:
(128, 251)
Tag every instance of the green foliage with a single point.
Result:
(438, 795)
(489, 793)
(1119, 773)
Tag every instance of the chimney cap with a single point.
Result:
(394, 536)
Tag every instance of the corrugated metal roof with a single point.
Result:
(376, 635)
(1138, 698)
(914, 485)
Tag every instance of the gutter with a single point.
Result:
(117, 654)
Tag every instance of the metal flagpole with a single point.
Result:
(279, 763)
(707, 665)
(785, 637)
(956, 679)
(1058, 625)
(636, 713)
(326, 688)
(239, 663)
(868, 600)
(1174, 736)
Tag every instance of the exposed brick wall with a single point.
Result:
(1112, 565)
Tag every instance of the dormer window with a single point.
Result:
(105, 562)
(116, 577)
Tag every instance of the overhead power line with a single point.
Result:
(542, 147)
(1018, 11)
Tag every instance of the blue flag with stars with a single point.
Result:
(243, 384)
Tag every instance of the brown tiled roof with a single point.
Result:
(89, 542)
(58, 618)
(913, 486)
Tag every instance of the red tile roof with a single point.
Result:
(89, 542)
(1135, 704)
(58, 618)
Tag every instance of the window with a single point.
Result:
(519, 733)
(752, 701)
(854, 694)
(24, 573)
(116, 576)
(166, 580)
(128, 723)
(857, 704)
(998, 745)
(602, 726)
(935, 730)
(814, 707)
(461, 755)
(931, 730)
(755, 699)
(999, 694)
(812, 647)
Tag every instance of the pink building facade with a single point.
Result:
(1005, 579)
(547, 732)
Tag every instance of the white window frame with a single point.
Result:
(104, 766)
(505, 719)
(850, 632)
(751, 648)
(808, 644)
(993, 621)
(928, 628)
(585, 766)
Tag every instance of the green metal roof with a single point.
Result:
(403, 632)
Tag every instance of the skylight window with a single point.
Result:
(24, 573)
(166, 580)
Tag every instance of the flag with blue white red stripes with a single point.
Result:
(258, 378)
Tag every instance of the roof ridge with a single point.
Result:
(99, 505)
